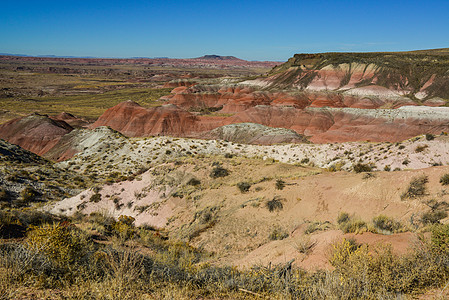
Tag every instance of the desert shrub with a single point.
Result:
(359, 167)
(219, 172)
(95, 198)
(430, 136)
(228, 155)
(383, 223)
(62, 243)
(444, 180)
(387, 168)
(124, 228)
(243, 186)
(440, 239)
(277, 233)
(353, 226)
(433, 216)
(274, 204)
(416, 187)
(280, 184)
(343, 217)
(342, 251)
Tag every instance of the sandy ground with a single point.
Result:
(215, 216)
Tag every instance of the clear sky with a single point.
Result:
(252, 30)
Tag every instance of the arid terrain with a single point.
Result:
(324, 177)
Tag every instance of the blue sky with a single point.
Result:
(253, 30)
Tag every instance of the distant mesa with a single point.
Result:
(218, 57)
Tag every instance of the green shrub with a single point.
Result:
(274, 204)
(384, 223)
(416, 187)
(444, 180)
(244, 186)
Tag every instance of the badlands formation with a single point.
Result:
(265, 174)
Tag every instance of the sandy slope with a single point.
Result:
(214, 215)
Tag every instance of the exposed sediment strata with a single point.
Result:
(35, 133)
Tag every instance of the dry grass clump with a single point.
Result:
(304, 244)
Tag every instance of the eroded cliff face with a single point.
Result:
(417, 76)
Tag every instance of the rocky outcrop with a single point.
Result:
(250, 133)
(36, 133)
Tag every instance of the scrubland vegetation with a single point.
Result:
(98, 257)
